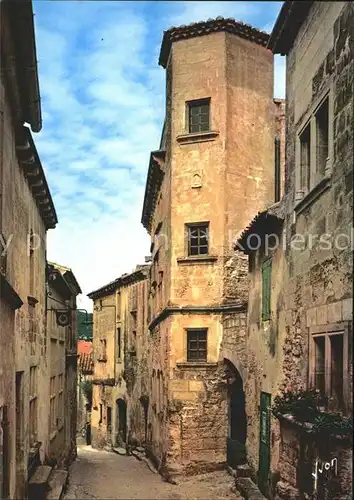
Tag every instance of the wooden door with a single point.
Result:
(264, 442)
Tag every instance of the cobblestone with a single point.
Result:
(105, 475)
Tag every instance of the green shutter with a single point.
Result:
(266, 288)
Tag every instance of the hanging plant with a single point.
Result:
(305, 406)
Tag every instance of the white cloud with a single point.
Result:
(103, 108)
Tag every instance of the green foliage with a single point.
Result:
(334, 424)
(304, 406)
(86, 387)
(84, 325)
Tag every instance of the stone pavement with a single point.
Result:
(105, 475)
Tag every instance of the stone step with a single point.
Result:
(243, 470)
(119, 450)
(248, 489)
(38, 484)
(56, 482)
(137, 454)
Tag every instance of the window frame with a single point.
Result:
(198, 359)
(197, 225)
(33, 404)
(310, 120)
(102, 356)
(328, 331)
(266, 267)
(194, 103)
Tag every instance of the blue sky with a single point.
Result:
(103, 107)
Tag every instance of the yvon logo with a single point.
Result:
(324, 468)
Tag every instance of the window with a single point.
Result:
(266, 288)
(119, 343)
(305, 156)
(103, 350)
(33, 405)
(277, 173)
(198, 115)
(60, 419)
(198, 237)
(109, 418)
(315, 144)
(197, 345)
(101, 414)
(53, 421)
(322, 133)
(328, 359)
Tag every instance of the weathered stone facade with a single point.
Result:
(197, 178)
(311, 267)
(120, 379)
(62, 346)
(85, 378)
(26, 213)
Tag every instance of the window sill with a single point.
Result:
(194, 137)
(197, 259)
(313, 195)
(193, 365)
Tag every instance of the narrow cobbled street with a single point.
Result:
(105, 475)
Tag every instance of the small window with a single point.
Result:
(103, 349)
(198, 115)
(266, 288)
(322, 131)
(109, 418)
(101, 414)
(327, 370)
(305, 157)
(197, 345)
(119, 343)
(198, 239)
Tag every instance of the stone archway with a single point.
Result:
(236, 441)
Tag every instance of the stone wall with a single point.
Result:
(28, 344)
(318, 291)
(227, 170)
(302, 465)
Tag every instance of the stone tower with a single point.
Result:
(214, 169)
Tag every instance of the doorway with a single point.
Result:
(236, 441)
(144, 401)
(20, 465)
(121, 416)
(264, 442)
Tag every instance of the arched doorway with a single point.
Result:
(236, 442)
(121, 416)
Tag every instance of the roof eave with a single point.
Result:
(152, 187)
(21, 18)
(287, 25)
(269, 221)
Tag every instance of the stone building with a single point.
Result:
(84, 383)
(119, 329)
(300, 322)
(213, 170)
(62, 292)
(26, 213)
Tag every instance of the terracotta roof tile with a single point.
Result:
(84, 347)
(85, 362)
(228, 25)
